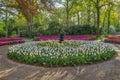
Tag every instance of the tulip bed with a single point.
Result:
(113, 39)
(68, 53)
(4, 41)
(66, 37)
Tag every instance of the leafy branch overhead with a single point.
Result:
(29, 8)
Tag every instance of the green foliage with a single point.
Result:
(54, 28)
(23, 33)
(50, 23)
(11, 27)
(104, 31)
(52, 53)
(56, 44)
(100, 37)
(80, 29)
(2, 33)
(1, 24)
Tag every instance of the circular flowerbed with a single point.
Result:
(52, 53)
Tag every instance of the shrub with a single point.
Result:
(23, 33)
(53, 28)
(2, 33)
(80, 29)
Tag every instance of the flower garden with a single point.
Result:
(47, 51)
(59, 40)
(67, 37)
(68, 53)
(5, 41)
(113, 39)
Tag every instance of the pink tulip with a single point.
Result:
(113, 39)
(66, 37)
(10, 40)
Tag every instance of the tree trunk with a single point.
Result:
(67, 14)
(98, 16)
(109, 11)
(88, 17)
(6, 21)
(103, 23)
(81, 17)
(98, 20)
(78, 18)
(94, 15)
(30, 26)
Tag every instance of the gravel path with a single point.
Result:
(108, 70)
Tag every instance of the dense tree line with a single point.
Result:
(39, 15)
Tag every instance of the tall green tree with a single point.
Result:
(68, 4)
(29, 9)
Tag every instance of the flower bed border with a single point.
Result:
(11, 40)
(113, 39)
(37, 60)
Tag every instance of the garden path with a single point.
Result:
(107, 70)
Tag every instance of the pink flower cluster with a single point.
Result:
(10, 40)
(66, 37)
(114, 39)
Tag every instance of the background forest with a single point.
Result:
(48, 17)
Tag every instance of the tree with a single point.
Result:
(5, 13)
(68, 4)
(29, 9)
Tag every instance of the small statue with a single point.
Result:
(61, 36)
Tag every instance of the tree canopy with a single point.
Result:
(39, 14)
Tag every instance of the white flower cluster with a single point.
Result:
(86, 48)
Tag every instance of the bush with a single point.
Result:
(54, 28)
(23, 33)
(52, 53)
(111, 29)
(80, 29)
(2, 33)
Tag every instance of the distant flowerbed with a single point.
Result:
(66, 37)
(113, 39)
(52, 53)
(4, 41)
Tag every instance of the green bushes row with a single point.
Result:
(2, 33)
(54, 28)
(80, 29)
